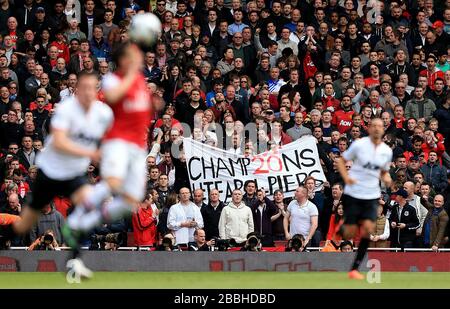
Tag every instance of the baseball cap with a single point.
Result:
(335, 150)
(40, 9)
(437, 24)
(402, 193)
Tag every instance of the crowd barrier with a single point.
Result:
(133, 259)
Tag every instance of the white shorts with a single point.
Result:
(126, 161)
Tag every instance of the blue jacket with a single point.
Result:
(100, 49)
(436, 175)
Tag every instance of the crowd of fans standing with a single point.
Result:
(290, 68)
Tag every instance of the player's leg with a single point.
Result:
(352, 210)
(132, 189)
(71, 231)
(113, 170)
(368, 217)
(124, 172)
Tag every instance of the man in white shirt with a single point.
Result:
(184, 217)
(301, 216)
(371, 162)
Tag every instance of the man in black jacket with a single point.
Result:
(404, 222)
(211, 214)
(263, 210)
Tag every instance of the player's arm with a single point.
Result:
(340, 164)
(62, 143)
(386, 178)
(116, 93)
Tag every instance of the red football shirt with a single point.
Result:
(131, 113)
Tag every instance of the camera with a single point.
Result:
(48, 238)
(253, 242)
(168, 244)
(224, 244)
(98, 242)
(296, 243)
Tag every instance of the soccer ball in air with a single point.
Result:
(145, 29)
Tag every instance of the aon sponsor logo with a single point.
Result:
(345, 123)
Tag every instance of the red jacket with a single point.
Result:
(432, 76)
(343, 120)
(144, 227)
(439, 149)
(334, 228)
(63, 50)
(329, 101)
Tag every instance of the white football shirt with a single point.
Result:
(85, 129)
(368, 162)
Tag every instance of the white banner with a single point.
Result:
(280, 169)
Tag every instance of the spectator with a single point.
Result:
(200, 243)
(298, 130)
(301, 217)
(379, 239)
(198, 198)
(162, 228)
(249, 197)
(435, 224)
(51, 219)
(264, 212)
(415, 201)
(434, 173)
(404, 222)
(144, 223)
(13, 206)
(336, 221)
(47, 241)
(419, 107)
(236, 219)
(211, 214)
(183, 218)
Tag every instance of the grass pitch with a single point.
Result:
(217, 280)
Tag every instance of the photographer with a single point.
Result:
(200, 243)
(47, 241)
(253, 243)
(109, 242)
(168, 243)
(296, 244)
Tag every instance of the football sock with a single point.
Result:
(360, 254)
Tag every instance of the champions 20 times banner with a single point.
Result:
(282, 168)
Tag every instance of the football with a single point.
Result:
(145, 29)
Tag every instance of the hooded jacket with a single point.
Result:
(236, 222)
(54, 220)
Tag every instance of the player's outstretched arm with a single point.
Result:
(340, 164)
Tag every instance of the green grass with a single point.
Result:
(235, 280)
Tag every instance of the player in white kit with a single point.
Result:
(77, 127)
(371, 162)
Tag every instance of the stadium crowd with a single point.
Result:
(245, 77)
